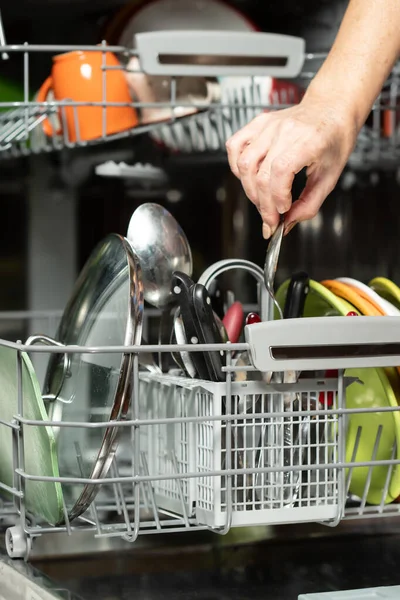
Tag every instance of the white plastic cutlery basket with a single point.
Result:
(245, 439)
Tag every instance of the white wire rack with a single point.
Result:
(243, 74)
(196, 455)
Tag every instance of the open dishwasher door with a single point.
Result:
(20, 581)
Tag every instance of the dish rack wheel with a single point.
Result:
(18, 543)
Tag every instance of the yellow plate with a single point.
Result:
(387, 289)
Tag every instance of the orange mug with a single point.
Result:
(78, 77)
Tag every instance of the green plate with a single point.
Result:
(376, 392)
(43, 499)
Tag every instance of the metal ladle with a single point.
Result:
(162, 248)
(271, 262)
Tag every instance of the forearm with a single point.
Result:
(365, 49)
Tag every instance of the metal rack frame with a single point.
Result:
(244, 58)
(115, 514)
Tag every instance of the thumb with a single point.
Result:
(311, 199)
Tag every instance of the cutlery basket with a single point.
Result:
(248, 461)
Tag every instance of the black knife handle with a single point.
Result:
(182, 288)
(296, 296)
(208, 331)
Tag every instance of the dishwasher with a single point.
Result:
(294, 464)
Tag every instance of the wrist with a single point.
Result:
(336, 106)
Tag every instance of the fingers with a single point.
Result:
(265, 205)
(275, 180)
(238, 142)
(250, 160)
(267, 154)
(318, 187)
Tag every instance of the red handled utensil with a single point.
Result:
(233, 321)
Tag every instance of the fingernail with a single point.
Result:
(266, 230)
(282, 208)
(289, 227)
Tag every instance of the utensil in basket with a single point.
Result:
(162, 248)
(241, 457)
(295, 429)
(271, 262)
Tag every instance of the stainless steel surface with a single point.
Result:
(182, 359)
(162, 248)
(229, 264)
(295, 436)
(106, 307)
(148, 361)
(271, 262)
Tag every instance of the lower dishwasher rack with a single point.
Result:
(210, 456)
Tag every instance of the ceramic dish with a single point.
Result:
(319, 302)
(166, 15)
(105, 309)
(365, 306)
(386, 289)
(377, 391)
(369, 294)
(43, 499)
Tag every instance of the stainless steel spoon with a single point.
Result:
(271, 262)
(162, 248)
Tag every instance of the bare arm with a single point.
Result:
(321, 131)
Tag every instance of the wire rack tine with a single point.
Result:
(4, 55)
(93, 506)
(353, 458)
(151, 493)
(120, 494)
(370, 470)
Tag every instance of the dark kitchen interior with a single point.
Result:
(355, 234)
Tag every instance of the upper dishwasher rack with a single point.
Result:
(247, 60)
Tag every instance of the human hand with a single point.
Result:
(267, 153)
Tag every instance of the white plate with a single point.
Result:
(387, 307)
(164, 15)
